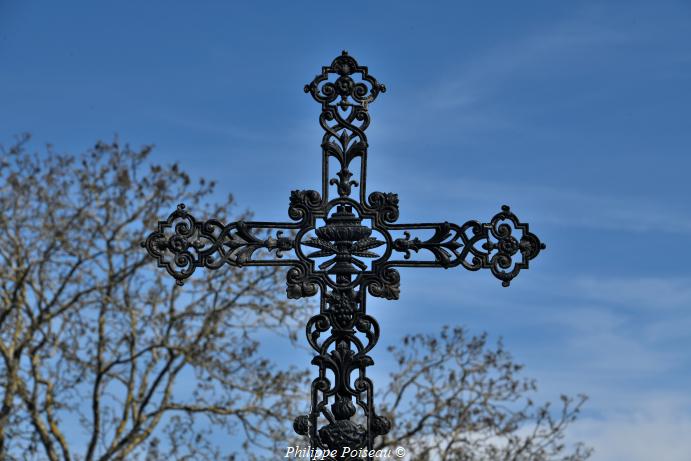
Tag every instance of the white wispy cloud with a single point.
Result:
(614, 338)
(655, 428)
(648, 292)
(477, 79)
(495, 69)
(560, 206)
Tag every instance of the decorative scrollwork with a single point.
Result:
(387, 285)
(299, 284)
(243, 244)
(368, 326)
(345, 151)
(182, 246)
(344, 118)
(345, 317)
(342, 361)
(500, 256)
(317, 325)
(207, 244)
(450, 245)
(445, 249)
(385, 205)
(303, 204)
(344, 87)
(342, 333)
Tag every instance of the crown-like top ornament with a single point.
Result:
(351, 92)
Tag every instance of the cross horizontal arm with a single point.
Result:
(182, 243)
(473, 245)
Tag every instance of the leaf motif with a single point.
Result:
(365, 254)
(235, 243)
(244, 254)
(244, 233)
(345, 139)
(359, 264)
(357, 149)
(453, 245)
(319, 243)
(366, 244)
(333, 149)
(441, 233)
(320, 253)
(443, 256)
(327, 264)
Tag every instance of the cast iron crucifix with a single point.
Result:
(333, 252)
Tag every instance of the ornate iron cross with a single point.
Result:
(343, 248)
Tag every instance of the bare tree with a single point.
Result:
(455, 398)
(104, 358)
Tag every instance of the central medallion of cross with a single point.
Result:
(330, 250)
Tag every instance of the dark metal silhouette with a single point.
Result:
(343, 248)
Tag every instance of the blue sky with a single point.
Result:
(577, 114)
